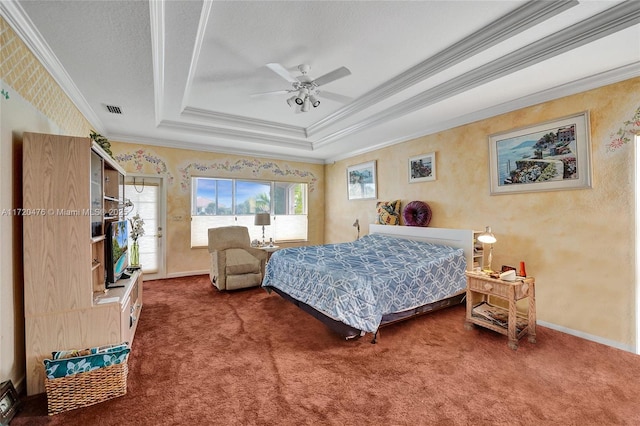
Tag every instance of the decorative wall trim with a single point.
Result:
(624, 134)
(141, 157)
(255, 167)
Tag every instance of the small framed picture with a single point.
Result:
(422, 168)
(361, 181)
(8, 402)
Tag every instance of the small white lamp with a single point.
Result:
(487, 237)
(263, 219)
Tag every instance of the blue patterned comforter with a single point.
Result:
(359, 282)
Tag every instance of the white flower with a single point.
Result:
(136, 227)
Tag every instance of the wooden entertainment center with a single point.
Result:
(71, 189)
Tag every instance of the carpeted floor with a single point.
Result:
(249, 358)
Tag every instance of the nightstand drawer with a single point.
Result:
(498, 287)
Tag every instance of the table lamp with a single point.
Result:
(356, 225)
(487, 237)
(262, 219)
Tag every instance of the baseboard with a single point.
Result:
(587, 336)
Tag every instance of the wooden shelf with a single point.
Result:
(64, 257)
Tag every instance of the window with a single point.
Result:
(223, 202)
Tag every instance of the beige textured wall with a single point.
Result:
(579, 244)
(179, 165)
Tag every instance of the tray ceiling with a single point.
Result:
(182, 72)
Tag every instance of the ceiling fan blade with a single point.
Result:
(335, 97)
(332, 76)
(275, 92)
(282, 72)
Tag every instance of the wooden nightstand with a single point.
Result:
(496, 318)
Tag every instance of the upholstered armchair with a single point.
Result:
(234, 263)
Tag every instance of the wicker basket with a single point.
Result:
(84, 389)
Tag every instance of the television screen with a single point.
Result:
(117, 255)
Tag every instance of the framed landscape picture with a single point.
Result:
(550, 156)
(361, 181)
(422, 168)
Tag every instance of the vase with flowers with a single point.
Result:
(137, 231)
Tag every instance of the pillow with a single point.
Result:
(388, 212)
(90, 351)
(81, 364)
(417, 213)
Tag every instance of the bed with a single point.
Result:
(392, 274)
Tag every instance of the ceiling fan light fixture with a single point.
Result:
(302, 96)
(292, 101)
(306, 104)
(314, 100)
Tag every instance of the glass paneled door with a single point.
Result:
(148, 198)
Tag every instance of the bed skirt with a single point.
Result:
(348, 332)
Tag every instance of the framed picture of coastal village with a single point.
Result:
(550, 156)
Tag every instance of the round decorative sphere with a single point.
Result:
(417, 213)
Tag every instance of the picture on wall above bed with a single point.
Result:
(422, 168)
(549, 156)
(361, 181)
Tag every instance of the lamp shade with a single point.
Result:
(487, 236)
(262, 219)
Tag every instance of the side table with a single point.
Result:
(269, 250)
(496, 318)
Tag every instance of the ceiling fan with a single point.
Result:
(305, 87)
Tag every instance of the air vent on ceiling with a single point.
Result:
(114, 109)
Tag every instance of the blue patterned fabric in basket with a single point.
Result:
(97, 358)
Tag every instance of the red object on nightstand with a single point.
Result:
(523, 272)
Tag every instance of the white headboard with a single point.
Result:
(458, 238)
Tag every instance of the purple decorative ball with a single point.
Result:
(417, 213)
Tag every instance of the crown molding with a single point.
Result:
(578, 86)
(193, 66)
(156, 18)
(605, 23)
(195, 146)
(237, 135)
(20, 22)
(245, 122)
(524, 17)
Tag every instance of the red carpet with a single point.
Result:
(249, 358)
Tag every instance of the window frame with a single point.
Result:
(300, 219)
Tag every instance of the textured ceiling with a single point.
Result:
(183, 72)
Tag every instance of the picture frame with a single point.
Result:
(550, 156)
(422, 168)
(8, 402)
(362, 181)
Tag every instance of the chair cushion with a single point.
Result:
(240, 262)
(235, 282)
